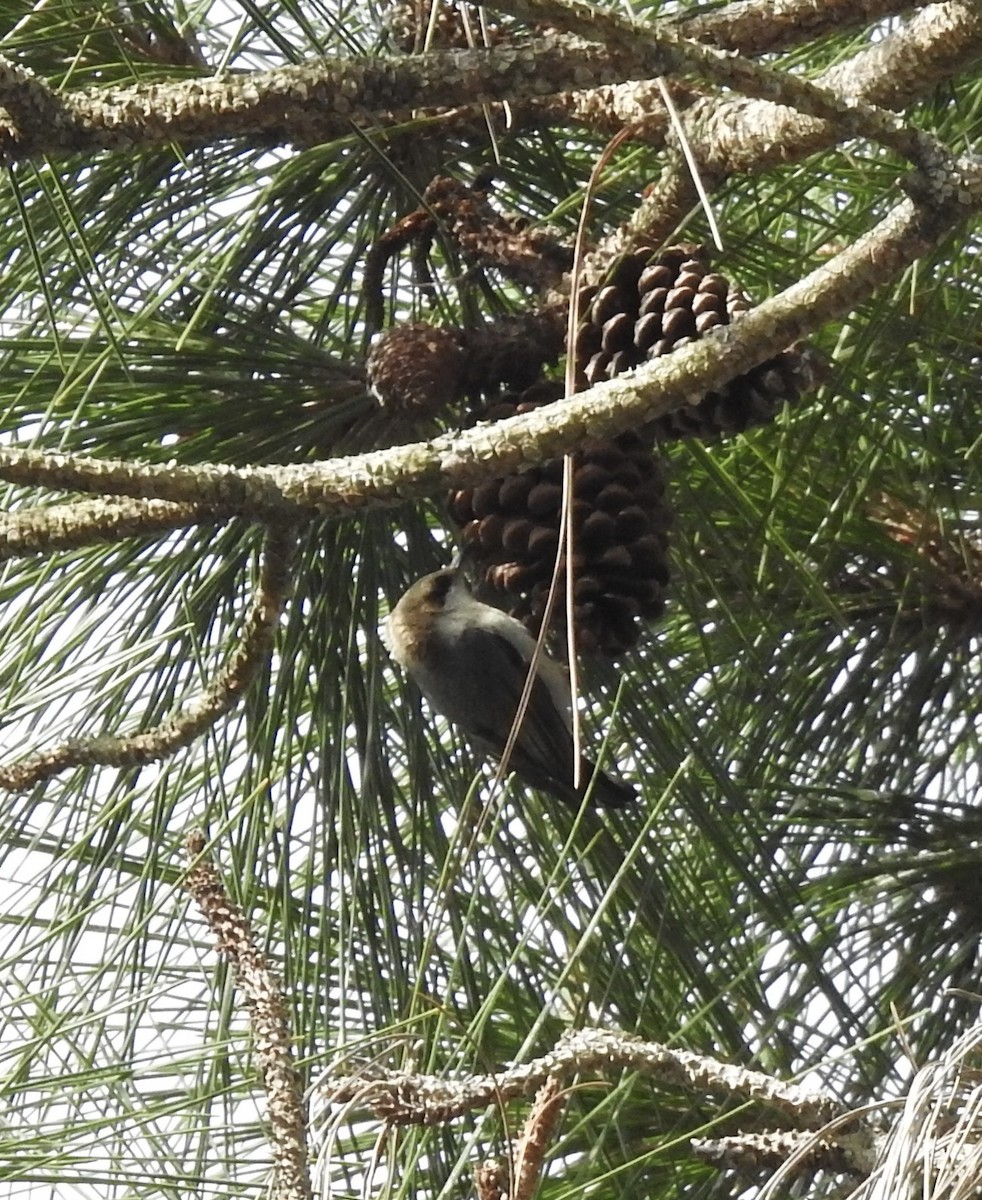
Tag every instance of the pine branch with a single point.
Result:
(87, 523)
(388, 477)
(754, 1153)
(766, 26)
(905, 65)
(732, 136)
(319, 101)
(933, 1147)
(846, 118)
(309, 103)
(528, 1157)
(428, 1099)
(268, 1018)
(189, 723)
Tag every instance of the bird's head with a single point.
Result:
(433, 593)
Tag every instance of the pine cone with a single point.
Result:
(533, 256)
(749, 400)
(418, 25)
(416, 368)
(620, 524)
(649, 307)
(411, 20)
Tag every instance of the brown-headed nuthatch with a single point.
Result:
(471, 661)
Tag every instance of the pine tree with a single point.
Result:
(285, 285)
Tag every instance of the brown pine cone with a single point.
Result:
(648, 307)
(510, 525)
(416, 368)
(446, 22)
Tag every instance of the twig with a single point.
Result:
(268, 1018)
(530, 1149)
(532, 257)
(429, 1100)
(754, 1153)
(183, 727)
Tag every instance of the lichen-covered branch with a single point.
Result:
(89, 522)
(765, 26)
(752, 1154)
(429, 1100)
(733, 136)
(190, 722)
(846, 117)
(311, 102)
(387, 477)
(268, 1019)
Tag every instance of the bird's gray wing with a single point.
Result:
(543, 751)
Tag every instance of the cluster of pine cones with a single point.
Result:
(649, 305)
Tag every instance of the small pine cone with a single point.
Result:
(510, 527)
(650, 306)
(445, 21)
(416, 368)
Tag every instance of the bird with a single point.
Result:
(470, 660)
